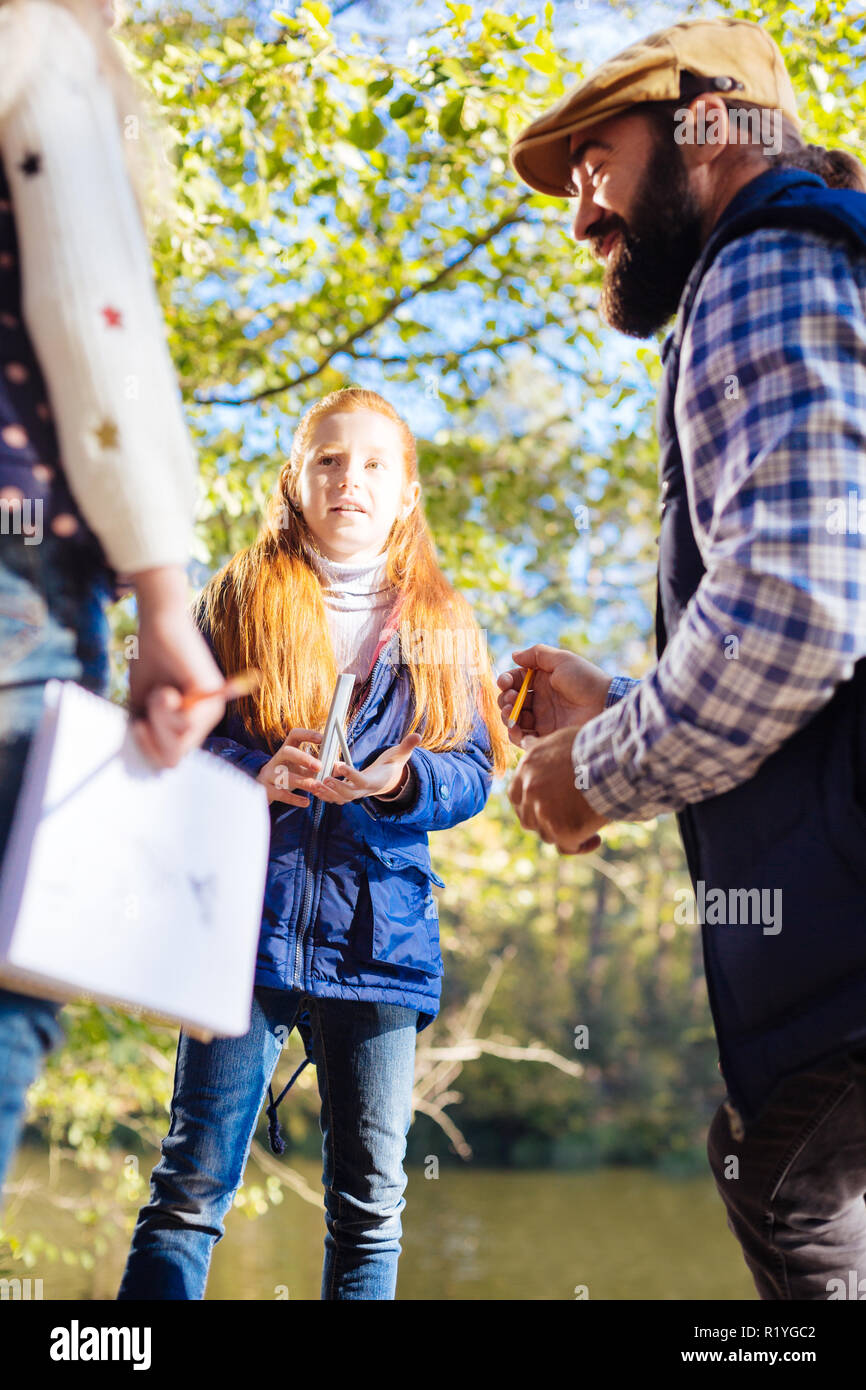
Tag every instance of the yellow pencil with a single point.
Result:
(521, 696)
(235, 686)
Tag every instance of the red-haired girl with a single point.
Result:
(343, 577)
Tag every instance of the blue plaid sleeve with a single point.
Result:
(619, 686)
(771, 418)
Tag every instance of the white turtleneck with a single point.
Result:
(358, 599)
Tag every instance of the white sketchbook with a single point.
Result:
(129, 884)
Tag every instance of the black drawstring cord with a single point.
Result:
(275, 1138)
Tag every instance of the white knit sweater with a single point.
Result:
(89, 301)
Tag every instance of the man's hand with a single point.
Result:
(566, 691)
(545, 798)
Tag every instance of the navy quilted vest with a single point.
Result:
(782, 1001)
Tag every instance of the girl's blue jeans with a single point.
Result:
(52, 623)
(365, 1062)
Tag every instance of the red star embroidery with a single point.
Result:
(113, 317)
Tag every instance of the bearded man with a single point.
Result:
(751, 725)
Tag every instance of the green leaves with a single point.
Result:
(231, 47)
(462, 13)
(449, 119)
(319, 11)
(401, 106)
(380, 88)
(366, 130)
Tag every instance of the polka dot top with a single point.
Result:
(32, 481)
(91, 420)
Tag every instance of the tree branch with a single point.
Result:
(442, 1072)
(493, 346)
(446, 1124)
(289, 1177)
(346, 344)
(472, 1049)
(597, 861)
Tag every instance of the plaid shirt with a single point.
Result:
(770, 413)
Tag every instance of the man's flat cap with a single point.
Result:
(734, 57)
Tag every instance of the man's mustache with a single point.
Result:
(601, 233)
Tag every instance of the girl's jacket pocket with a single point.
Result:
(404, 918)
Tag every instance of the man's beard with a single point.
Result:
(649, 265)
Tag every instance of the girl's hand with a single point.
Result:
(379, 779)
(291, 770)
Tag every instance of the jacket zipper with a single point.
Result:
(306, 900)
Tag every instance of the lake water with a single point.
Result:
(471, 1233)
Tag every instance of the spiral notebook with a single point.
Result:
(128, 884)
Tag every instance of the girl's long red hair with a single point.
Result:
(264, 608)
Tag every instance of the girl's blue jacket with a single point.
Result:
(349, 911)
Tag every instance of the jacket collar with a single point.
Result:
(766, 188)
